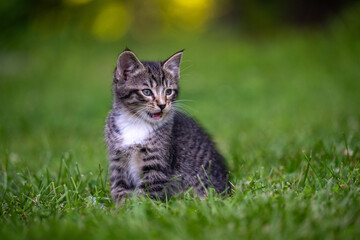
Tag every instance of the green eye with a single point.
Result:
(147, 92)
(168, 92)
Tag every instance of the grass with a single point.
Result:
(284, 112)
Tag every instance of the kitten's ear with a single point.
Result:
(128, 65)
(172, 64)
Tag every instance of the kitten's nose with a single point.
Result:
(162, 106)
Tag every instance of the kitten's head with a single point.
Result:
(146, 90)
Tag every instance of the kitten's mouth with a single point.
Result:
(156, 116)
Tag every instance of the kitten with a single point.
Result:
(154, 149)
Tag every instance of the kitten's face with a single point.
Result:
(146, 90)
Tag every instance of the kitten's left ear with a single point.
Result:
(172, 64)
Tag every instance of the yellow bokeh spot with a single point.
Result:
(76, 2)
(192, 4)
(190, 14)
(112, 22)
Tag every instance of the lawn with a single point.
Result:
(283, 110)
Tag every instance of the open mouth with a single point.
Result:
(155, 116)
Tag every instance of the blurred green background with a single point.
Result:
(260, 73)
(272, 81)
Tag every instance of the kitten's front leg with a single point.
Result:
(154, 174)
(120, 186)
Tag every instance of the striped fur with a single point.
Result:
(158, 156)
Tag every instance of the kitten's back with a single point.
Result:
(195, 154)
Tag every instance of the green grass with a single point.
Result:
(284, 112)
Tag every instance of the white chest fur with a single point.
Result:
(133, 131)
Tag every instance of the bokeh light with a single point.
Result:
(112, 22)
(189, 14)
(76, 2)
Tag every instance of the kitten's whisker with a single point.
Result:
(183, 114)
(138, 116)
(183, 69)
(184, 104)
(184, 111)
(185, 107)
(184, 100)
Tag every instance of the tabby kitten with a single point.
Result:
(154, 149)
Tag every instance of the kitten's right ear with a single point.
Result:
(127, 66)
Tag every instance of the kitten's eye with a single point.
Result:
(168, 92)
(147, 92)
